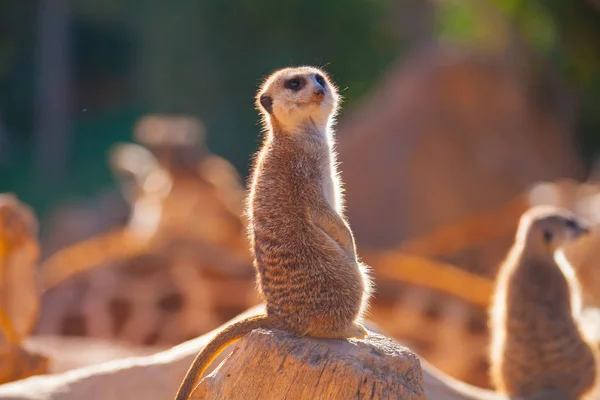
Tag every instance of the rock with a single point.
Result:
(65, 353)
(272, 364)
(439, 386)
(153, 377)
(445, 135)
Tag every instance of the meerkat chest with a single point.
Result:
(330, 186)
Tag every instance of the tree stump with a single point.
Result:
(157, 376)
(273, 364)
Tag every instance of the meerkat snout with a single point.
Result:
(320, 87)
(319, 93)
(550, 228)
(558, 230)
(577, 229)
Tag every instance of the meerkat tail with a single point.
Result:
(209, 353)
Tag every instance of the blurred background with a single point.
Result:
(457, 116)
(76, 75)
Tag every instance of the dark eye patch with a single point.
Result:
(320, 80)
(295, 83)
(547, 236)
(572, 224)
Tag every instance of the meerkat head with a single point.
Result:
(18, 227)
(547, 228)
(138, 172)
(178, 142)
(296, 97)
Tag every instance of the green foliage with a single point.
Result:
(206, 58)
(249, 39)
(203, 58)
(457, 20)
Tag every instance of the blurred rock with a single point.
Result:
(72, 222)
(443, 136)
(157, 377)
(66, 353)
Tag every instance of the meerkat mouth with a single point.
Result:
(315, 102)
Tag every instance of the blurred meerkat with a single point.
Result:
(536, 342)
(304, 250)
(19, 255)
(179, 268)
(202, 183)
(19, 290)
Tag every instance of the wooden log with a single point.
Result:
(273, 364)
(153, 377)
(157, 377)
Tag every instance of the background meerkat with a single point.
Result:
(19, 254)
(536, 343)
(159, 280)
(304, 250)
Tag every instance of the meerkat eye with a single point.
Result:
(320, 80)
(294, 84)
(547, 236)
(571, 224)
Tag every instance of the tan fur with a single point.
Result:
(537, 344)
(304, 250)
(449, 332)
(19, 253)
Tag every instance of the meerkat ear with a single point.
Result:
(267, 102)
(547, 236)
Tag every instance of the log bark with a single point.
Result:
(157, 377)
(276, 365)
(153, 377)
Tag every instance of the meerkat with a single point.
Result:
(536, 343)
(304, 251)
(159, 280)
(19, 253)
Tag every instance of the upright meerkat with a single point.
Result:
(537, 346)
(304, 250)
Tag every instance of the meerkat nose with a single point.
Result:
(319, 92)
